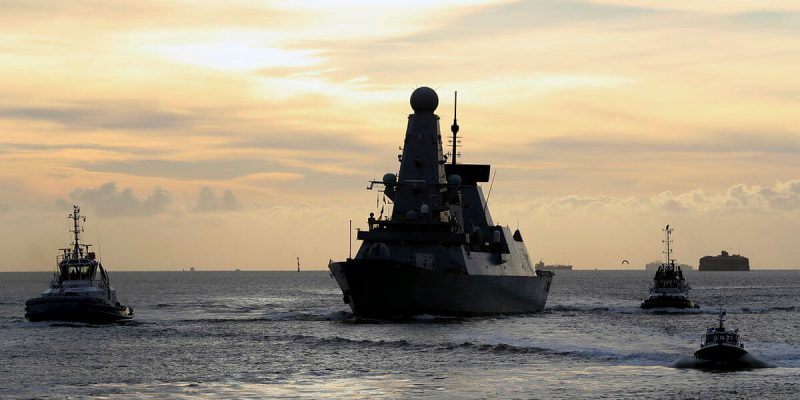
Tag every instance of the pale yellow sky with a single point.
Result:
(241, 134)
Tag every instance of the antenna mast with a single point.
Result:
(668, 252)
(454, 128)
(76, 229)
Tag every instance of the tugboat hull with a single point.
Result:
(76, 309)
(386, 288)
(668, 302)
(720, 353)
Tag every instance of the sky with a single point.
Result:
(242, 134)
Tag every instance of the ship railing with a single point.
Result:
(94, 282)
(418, 225)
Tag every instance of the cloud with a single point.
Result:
(783, 196)
(726, 142)
(304, 141)
(767, 19)
(109, 115)
(208, 201)
(45, 147)
(546, 14)
(198, 169)
(108, 200)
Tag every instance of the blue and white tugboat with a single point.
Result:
(80, 290)
(720, 344)
(669, 289)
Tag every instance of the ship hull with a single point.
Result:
(386, 288)
(654, 302)
(75, 309)
(720, 353)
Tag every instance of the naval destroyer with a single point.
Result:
(439, 252)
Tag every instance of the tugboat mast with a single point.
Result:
(76, 229)
(668, 252)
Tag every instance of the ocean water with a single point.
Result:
(288, 334)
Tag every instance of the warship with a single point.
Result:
(80, 290)
(669, 289)
(724, 262)
(439, 252)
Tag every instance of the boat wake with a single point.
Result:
(635, 309)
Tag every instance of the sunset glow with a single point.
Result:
(242, 134)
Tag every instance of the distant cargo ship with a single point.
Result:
(653, 266)
(554, 267)
(725, 262)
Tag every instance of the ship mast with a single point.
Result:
(76, 230)
(668, 251)
(454, 128)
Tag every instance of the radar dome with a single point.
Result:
(454, 180)
(390, 179)
(424, 100)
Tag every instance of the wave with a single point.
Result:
(635, 309)
(74, 325)
(635, 358)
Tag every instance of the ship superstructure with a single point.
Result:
(439, 252)
(80, 289)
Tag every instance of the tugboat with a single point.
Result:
(439, 252)
(669, 288)
(80, 290)
(720, 344)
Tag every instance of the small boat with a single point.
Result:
(720, 344)
(669, 289)
(80, 290)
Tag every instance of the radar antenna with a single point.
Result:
(454, 127)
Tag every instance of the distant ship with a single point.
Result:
(669, 289)
(653, 266)
(724, 262)
(552, 267)
(80, 290)
(440, 252)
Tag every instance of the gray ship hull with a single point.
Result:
(385, 288)
(75, 309)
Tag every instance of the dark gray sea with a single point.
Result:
(288, 334)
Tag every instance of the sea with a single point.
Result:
(245, 334)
